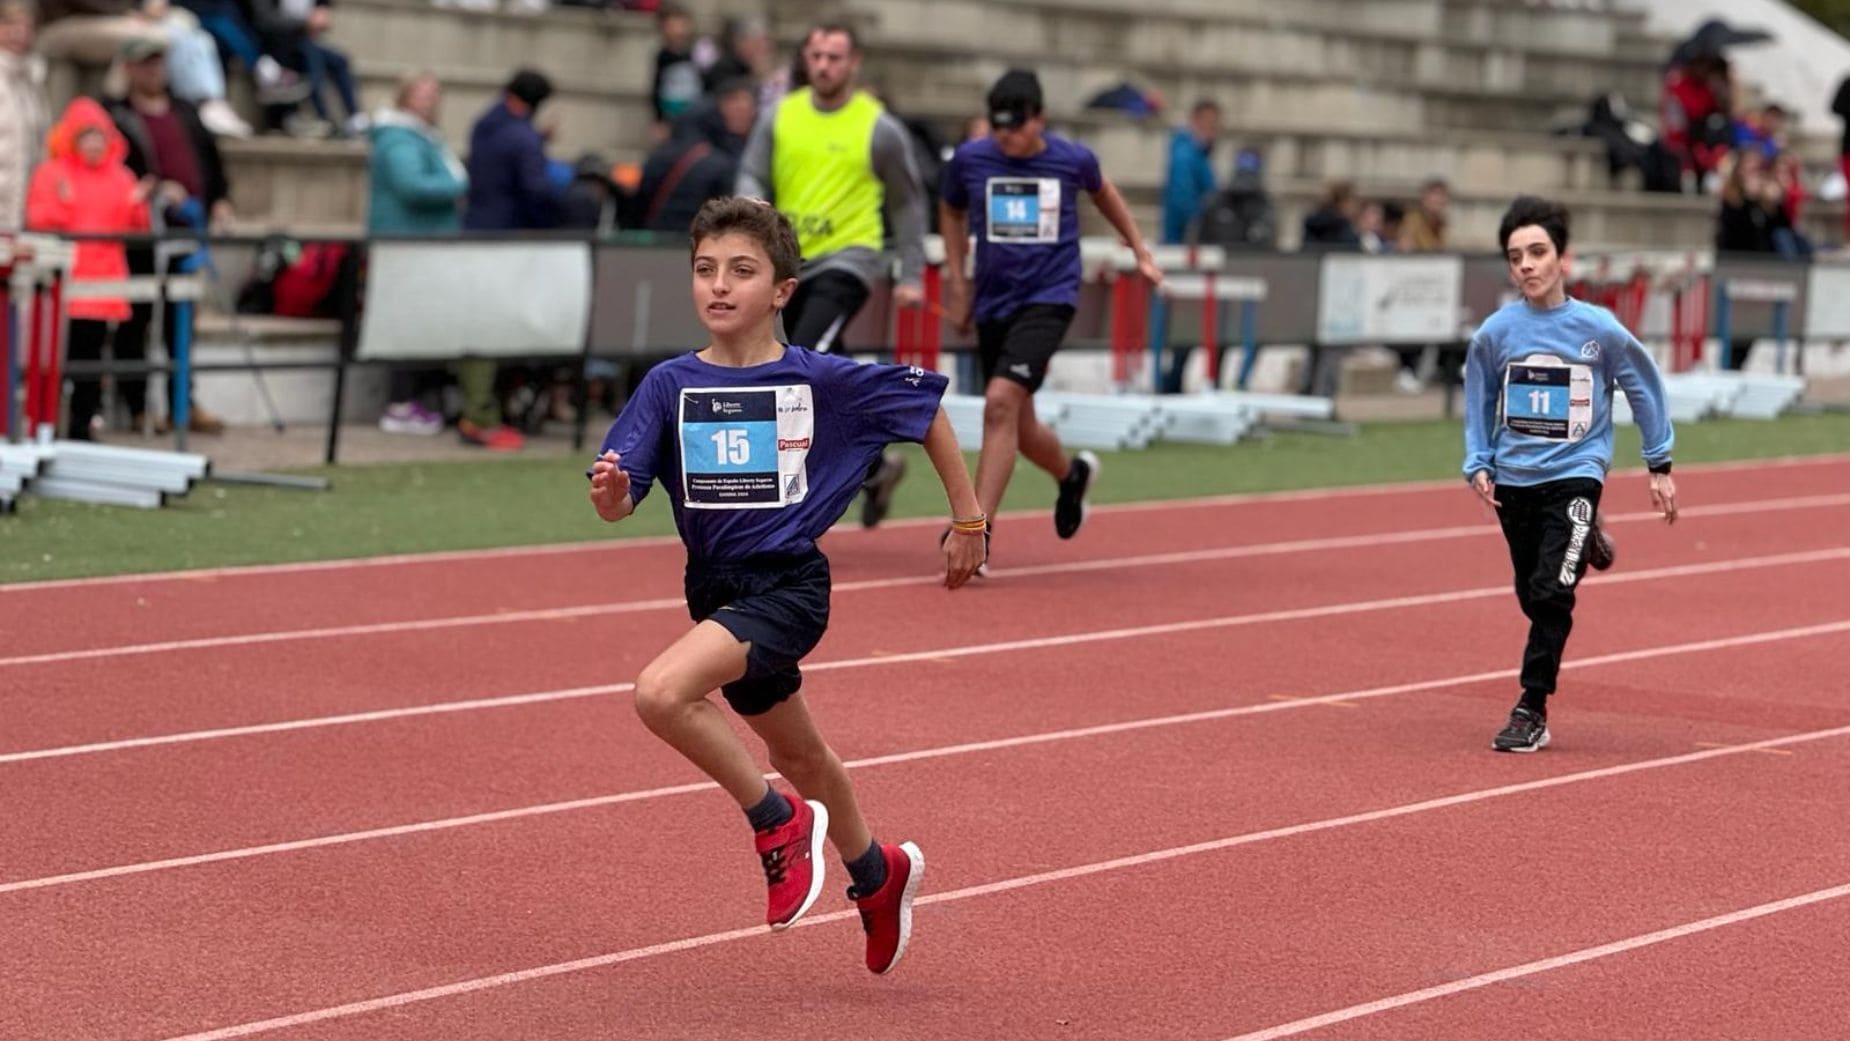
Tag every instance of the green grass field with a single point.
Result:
(410, 508)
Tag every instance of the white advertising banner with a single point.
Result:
(1383, 300)
(448, 300)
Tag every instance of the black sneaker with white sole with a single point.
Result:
(877, 490)
(1527, 731)
(1069, 510)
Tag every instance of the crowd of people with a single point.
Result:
(717, 101)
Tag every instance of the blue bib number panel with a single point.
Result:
(1546, 397)
(1023, 210)
(745, 448)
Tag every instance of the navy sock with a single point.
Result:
(868, 870)
(1535, 702)
(771, 811)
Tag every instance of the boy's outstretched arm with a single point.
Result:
(965, 548)
(1111, 204)
(610, 489)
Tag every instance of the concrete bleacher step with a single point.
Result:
(282, 182)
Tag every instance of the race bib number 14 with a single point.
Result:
(1023, 209)
(745, 448)
(1546, 397)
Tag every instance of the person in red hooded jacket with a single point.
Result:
(84, 187)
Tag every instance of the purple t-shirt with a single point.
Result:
(764, 459)
(1024, 214)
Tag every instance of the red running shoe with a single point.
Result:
(886, 913)
(793, 867)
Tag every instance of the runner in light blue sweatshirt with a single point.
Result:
(1539, 379)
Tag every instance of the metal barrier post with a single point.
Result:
(1249, 340)
(1723, 321)
(1780, 310)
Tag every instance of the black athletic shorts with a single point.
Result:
(1019, 346)
(821, 310)
(779, 605)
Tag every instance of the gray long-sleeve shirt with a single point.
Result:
(891, 156)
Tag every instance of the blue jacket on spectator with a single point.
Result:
(416, 184)
(510, 186)
(1189, 184)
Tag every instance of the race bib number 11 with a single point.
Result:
(1546, 397)
(745, 448)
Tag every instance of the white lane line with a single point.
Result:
(652, 541)
(896, 758)
(1148, 560)
(945, 653)
(1560, 961)
(505, 979)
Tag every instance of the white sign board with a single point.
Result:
(1827, 302)
(1385, 300)
(487, 299)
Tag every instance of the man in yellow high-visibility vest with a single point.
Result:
(835, 162)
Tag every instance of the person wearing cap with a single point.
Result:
(834, 161)
(168, 141)
(1017, 192)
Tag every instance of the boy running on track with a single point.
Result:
(1539, 378)
(1025, 184)
(759, 448)
(835, 162)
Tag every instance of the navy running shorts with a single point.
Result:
(1019, 347)
(776, 604)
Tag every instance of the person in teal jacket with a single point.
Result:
(416, 187)
(416, 182)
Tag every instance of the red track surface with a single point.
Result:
(1226, 853)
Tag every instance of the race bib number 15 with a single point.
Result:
(745, 448)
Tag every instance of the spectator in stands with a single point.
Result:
(1189, 183)
(167, 141)
(1753, 212)
(89, 32)
(510, 189)
(1765, 132)
(1840, 105)
(416, 188)
(1424, 230)
(1332, 224)
(1242, 216)
(1697, 114)
(1371, 228)
(700, 162)
(85, 187)
(678, 83)
(295, 31)
(227, 23)
(22, 111)
(193, 67)
(745, 54)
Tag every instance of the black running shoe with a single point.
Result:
(1069, 511)
(1527, 731)
(877, 490)
(1600, 550)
